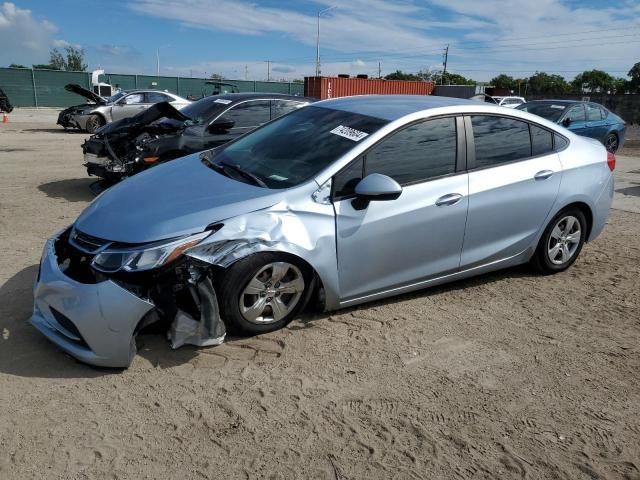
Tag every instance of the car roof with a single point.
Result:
(555, 101)
(237, 97)
(392, 107)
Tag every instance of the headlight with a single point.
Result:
(146, 257)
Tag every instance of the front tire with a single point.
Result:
(263, 292)
(94, 122)
(561, 242)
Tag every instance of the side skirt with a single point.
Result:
(518, 259)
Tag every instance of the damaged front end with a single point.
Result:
(93, 296)
(123, 148)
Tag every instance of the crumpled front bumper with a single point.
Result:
(94, 323)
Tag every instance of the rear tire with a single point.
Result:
(263, 292)
(612, 143)
(561, 242)
(94, 122)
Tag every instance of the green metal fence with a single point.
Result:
(27, 87)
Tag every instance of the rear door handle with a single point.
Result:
(448, 199)
(543, 174)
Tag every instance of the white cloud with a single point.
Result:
(485, 37)
(23, 38)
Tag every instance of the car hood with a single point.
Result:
(83, 92)
(134, 124)
(177, 198)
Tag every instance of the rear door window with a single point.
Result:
(156, 97)
(416, 153)
(499, 140)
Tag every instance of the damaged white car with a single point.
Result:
(347, 200)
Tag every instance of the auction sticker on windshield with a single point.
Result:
(350, 133)
(559, 107)
(224, 101)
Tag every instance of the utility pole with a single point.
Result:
(158, 62)
(246, 72)
(379, 70)
(318, 40)
(268, 70)
(446, 57)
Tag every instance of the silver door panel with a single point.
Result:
(396, 242)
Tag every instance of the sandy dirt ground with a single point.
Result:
(510, 375)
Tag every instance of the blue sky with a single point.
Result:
(236, 37)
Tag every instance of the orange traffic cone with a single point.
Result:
(5, 118)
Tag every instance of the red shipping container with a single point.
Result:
(332, 87)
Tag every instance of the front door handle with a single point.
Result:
(448, 199)
(543, 174)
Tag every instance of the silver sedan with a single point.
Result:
(124, 104)
(347, 201)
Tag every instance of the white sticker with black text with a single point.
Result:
(224, 101)
(559, 107)
(350, 133)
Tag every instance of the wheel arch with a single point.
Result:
(585, 209)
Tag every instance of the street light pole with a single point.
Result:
(318, 39)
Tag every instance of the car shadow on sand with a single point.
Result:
(53, 130)
(25, 352)
(631, 191)
(72, 189)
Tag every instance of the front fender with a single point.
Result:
(308, 233)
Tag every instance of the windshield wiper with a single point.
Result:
(245, 173)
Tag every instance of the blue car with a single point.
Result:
(582, 118)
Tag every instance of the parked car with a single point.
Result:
(509, 102)
(123, 104)
(5, 104)
(483, 97)
(582, 118)
(347, 200)
(163, 133)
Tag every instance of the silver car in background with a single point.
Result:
(347, 200)
(126, 103)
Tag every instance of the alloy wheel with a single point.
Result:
(564, 240)
(612, 143)
(272, 293)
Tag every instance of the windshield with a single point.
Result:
(549, 110)
(204, 110)
(116, 97)
(297, 146)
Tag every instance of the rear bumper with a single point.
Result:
(94, 323)
(601, 208)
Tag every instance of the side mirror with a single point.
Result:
(566, 122)
(378, 187)
(221, 125)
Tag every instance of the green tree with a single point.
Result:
(75, 60)
(543, 83)
(593, 81)
(16, 65)
(400, 75)
(456, 79)
(634, 73)
(504, 81)
(42, 66)
(56, 60)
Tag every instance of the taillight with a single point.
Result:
(611, 161)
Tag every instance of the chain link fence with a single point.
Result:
(27, 87)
